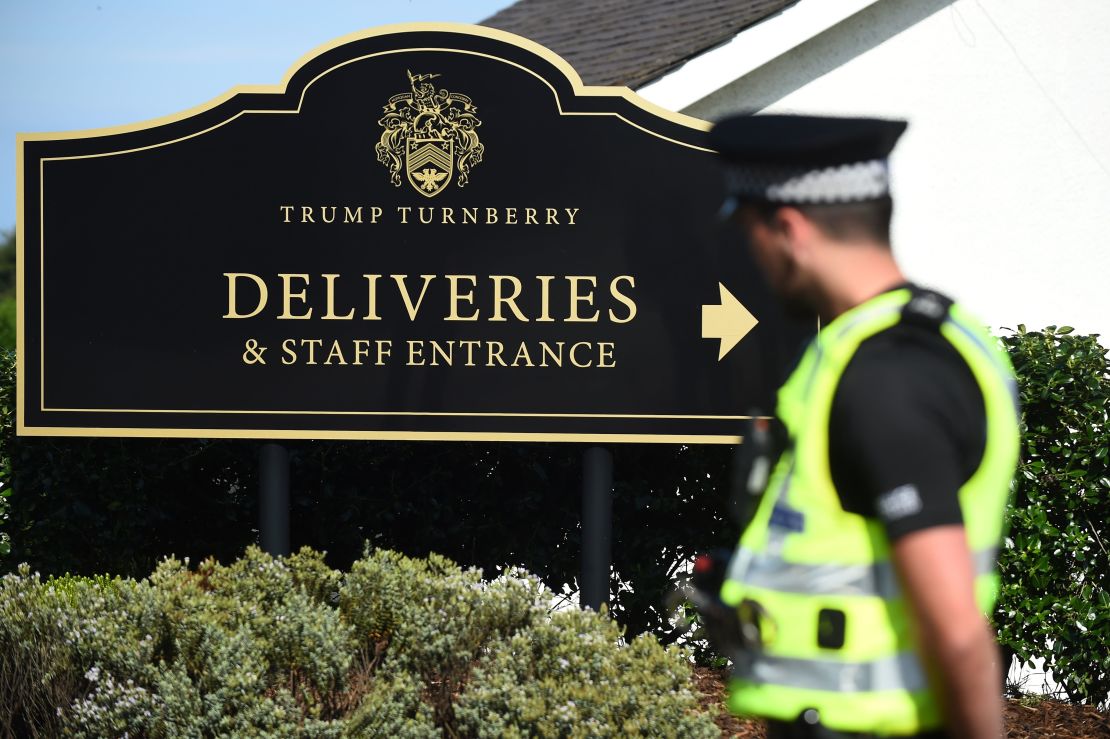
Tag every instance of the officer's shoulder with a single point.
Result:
(907, 344)
(918, 329)
(910, 362)
(912, 348)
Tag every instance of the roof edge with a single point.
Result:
(748, 50)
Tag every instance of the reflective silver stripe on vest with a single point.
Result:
(769, 572)
(901, 671)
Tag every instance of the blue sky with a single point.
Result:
(78, 64)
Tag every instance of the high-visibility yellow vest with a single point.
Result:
(804, 564)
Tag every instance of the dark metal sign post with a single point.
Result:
(597, 526)
(273, 499)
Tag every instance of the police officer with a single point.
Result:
(869, 564)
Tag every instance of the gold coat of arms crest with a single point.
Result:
(430, 134)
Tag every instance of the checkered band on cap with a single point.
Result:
(844, 183)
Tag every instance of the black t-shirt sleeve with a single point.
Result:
(907, 431)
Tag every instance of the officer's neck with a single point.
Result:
(854, 273)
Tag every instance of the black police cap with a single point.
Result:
(806, 159)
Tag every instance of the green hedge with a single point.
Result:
(1055, 600)
(7, 436)
(395, 647)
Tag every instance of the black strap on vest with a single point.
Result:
(926, 308)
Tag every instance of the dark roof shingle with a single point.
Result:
(630, 42)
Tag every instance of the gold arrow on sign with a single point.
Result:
(730, 321)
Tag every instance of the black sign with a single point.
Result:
(437, 233)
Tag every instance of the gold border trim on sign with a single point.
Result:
(579, 90)
(379, 435)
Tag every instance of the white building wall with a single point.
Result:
(1002, 182)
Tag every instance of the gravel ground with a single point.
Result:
(1025, 719)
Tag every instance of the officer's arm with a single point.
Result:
(955, 641)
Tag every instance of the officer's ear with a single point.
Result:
(798, 233)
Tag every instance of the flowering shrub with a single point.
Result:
(280, 647)
(569, 676)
